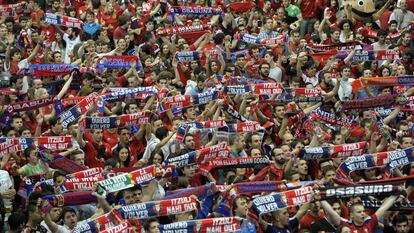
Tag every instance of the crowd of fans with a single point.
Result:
(313, 51)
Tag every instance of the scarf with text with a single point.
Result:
(338, 151)
(187, 56)
(370, 55)
(50, 70)
(356, 191)
(182, 30)
(382, 82)
(158, 208)
(24, 106)
(13, 145)
(120, 121)
(229, 109)
(244, 162)
(119, 62)
(270, 203)
(200, 156)
(182, 101)
(63, 20)
(389, 159)
(250, 39)
(91, 172)
(79, 184)
(397, 35)
(333, 119)
(191, 10)
(10, 9)
(268, 186)
(128, 180)
(216, 225)
(100, 223)
(79, 109)
(341, 46)
(368, 103)
(397, 206)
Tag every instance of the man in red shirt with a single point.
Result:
(359, 223)
(96, 151)
(121, 31)
(314, 214)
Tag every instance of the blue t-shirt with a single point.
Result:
(293, 223)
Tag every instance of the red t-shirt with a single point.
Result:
(91, 154)
(110, 138)
(308, 219)
(368, 225)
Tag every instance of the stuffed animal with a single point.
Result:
(361, 10)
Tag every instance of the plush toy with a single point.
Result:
(360, 10)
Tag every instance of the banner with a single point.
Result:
(63, 20)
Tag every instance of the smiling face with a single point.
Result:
(361, 8)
